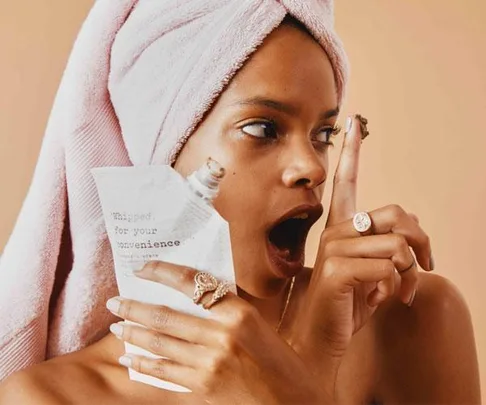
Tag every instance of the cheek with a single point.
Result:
(242, 196)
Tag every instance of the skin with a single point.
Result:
(348, 335)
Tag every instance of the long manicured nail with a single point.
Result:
(117, 330)
(412, 298)
(125, 360)
(113, 304)
(432, 263)
(349, 125)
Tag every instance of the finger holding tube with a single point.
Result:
(178, 350)
(164, 369)
(165, 320)
(185, 279)
(182, 278)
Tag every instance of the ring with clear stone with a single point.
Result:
(362, 223)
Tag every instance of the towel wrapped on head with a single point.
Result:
(139, 79)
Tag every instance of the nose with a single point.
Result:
(304, 167)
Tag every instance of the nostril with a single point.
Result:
(302, 182)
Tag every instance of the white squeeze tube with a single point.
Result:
(153, 213)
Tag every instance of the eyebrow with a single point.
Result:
(283, 107)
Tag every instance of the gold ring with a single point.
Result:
(220, 292)
(204, 282)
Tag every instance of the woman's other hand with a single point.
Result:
(233, 357)
(354, 274)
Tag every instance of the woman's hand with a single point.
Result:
(233, 357)
(353, 274)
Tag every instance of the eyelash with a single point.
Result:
(333, 132)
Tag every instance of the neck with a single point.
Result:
(270, 309)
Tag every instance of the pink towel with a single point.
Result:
(140, 77)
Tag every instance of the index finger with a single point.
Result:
(180, 278)
(343, 199)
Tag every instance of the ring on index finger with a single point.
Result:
(203, 283)
(206, 282)
(362, 223)
(221, 290)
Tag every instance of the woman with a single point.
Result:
(363, 326)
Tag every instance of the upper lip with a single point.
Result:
(314, 212)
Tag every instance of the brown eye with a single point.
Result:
(260, 129)
(325, 135)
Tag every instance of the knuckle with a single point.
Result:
(400, 242)
(159, 318)
(216, 365)
(329, 247)
(156, 343)
(159, 369)
(125, 308)
(227, 342)
(151, 266)
(244, 316)
(414, 217)
(205, 384)
(331, 266)
(324, 239)
(185, 276)
(340, 178)
(388, 267)
(396, 211)
(127, 332)
(137, 365)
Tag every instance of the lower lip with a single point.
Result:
(284, 267)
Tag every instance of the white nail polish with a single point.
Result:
(116, 329)
(113, 304)
(349, 124)
(125, 361)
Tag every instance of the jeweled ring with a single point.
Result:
(204, 282)
(362, 222)
(221, 290)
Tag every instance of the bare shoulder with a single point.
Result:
(428, 351)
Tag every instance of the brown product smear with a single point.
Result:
(363, 122)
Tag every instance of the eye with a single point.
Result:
(260, 129)
(324, 136)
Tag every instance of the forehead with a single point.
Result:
(289, 65)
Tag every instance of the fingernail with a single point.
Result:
(412, 298)
(113, 304)
(349, 125)
(117, 330)
(432, 263)
(125, 360)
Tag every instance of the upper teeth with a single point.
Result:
(304, 215)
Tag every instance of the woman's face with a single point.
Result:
(269, 129)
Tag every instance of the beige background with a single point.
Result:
(417, 75)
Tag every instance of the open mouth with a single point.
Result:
(287, 237)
